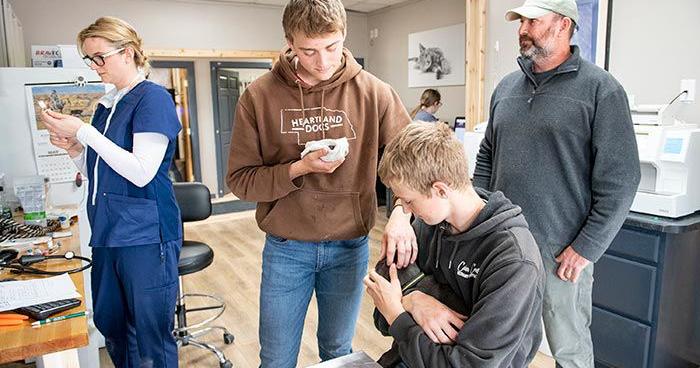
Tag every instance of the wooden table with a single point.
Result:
(21, 342)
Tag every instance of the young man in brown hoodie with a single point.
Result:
(316, 210)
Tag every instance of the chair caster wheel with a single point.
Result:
(226, 364)
(228, 338)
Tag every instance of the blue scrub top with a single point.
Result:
(423, 115)
(124, 214)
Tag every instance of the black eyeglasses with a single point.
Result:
(99, 60)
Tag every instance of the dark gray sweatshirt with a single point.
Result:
(495, 267)
(564, 151)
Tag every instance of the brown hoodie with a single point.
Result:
(275, 117)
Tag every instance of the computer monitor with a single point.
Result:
(460, 122)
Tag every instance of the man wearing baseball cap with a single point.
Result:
(534, 9)
(560, 144)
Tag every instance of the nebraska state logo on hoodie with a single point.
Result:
(278, 114)
(307, 124)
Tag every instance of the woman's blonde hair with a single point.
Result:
(313, 18)
(428, 98)
(120, 34)
(423, 153)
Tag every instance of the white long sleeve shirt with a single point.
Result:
(139, 166)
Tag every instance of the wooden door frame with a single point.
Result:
(192, 105)
(212, 54)
(476, 63)
(214, 67)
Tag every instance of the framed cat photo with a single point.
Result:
(436, 57)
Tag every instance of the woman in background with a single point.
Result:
(429, 105)
(134, 218)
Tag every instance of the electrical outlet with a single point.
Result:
(688, 85)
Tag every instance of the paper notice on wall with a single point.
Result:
(46, 57)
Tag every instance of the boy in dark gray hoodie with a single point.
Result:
(477, 243)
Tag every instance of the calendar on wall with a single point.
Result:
(67, 98)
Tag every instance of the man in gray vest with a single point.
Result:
(560, 143)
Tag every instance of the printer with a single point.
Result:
(669, 155)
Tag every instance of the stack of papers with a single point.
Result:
(17, 294)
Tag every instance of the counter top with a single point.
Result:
(663, 224)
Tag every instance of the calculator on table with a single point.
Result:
(45, 310)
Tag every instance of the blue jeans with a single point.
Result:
(292, 270)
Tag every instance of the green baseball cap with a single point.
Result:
(536, 8)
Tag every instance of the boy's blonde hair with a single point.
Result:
(313, 18)
(119, 33)
(423, 153)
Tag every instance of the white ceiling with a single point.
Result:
(362, 6)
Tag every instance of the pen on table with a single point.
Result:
(59, 318)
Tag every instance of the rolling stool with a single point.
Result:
(195, 205)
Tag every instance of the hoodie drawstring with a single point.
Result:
(301, 97)
(303, 109)
(323, 98)
(452, 256)
(442, 228)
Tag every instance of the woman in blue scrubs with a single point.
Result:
(134, 218)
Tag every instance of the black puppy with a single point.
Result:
(411, 279)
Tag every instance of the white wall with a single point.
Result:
(177, 24)
(357, 40)
(171, 24)
(501, 46)
(388, 54)
(652, 48)
(161, 24)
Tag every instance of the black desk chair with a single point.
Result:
(195, 205)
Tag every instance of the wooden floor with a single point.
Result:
(235, 276)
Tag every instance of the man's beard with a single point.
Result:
(538, 50)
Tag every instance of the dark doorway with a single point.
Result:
(227, 86)
(226, 99)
